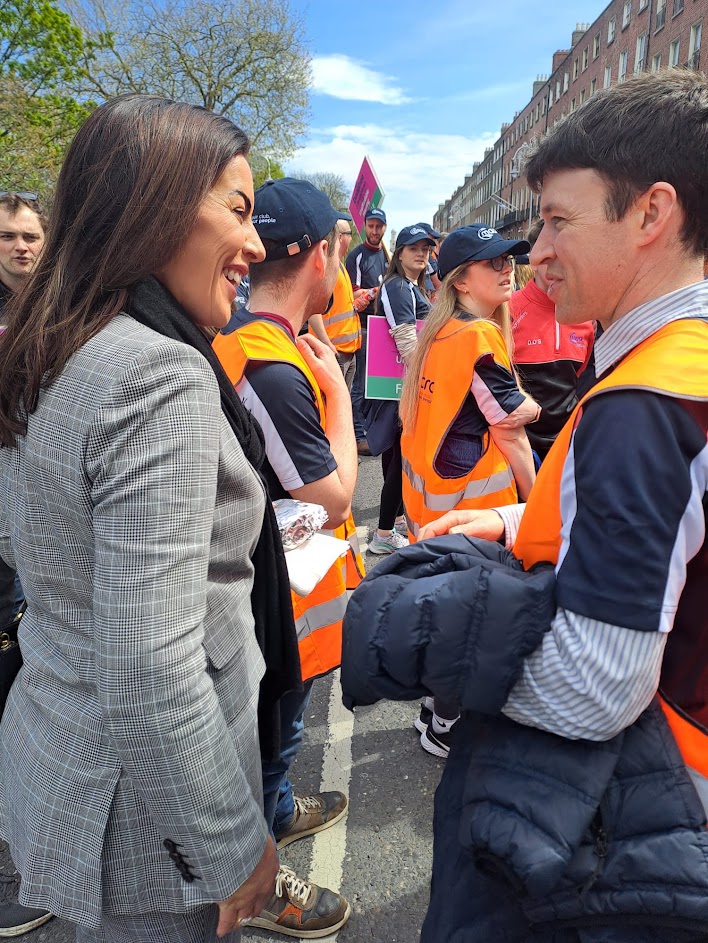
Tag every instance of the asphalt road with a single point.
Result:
(379, 857)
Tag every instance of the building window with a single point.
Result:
(660, 15)
(694, 46)
(656, 62)
(678, 7)
(558, 90)
(586, 56)
(582, 96)
(611, 27)
(608, 77)
(593, 87)
(626, 14)
(674, 53)
(596, 46)
(565, 82)
(572, 104)
(640, 53)
(622, 72)
(576, 65)
(643, 4)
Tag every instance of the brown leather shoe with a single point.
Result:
(299, 908)
(362, 447)
(313, 814)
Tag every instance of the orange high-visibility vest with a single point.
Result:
(444, 386)
(318, 616)
(672, 362)
(342, 322)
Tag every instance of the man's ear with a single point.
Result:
(318, 257)
(657, 211)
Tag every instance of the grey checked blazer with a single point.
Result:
(130, 513)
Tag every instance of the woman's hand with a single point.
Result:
(255, 892)
(486, 524)
(323, 363)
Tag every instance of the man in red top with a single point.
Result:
(548, 356)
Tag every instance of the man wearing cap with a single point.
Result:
(284, 380)
(366, 266)
(340, 326)
(548, 356)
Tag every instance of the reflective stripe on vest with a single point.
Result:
(442, 503)
(342, 322)
(446, 382)
(664, 363)
(318, 616)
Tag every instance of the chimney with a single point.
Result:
(578, 33)
(558, 58)
(538, 85)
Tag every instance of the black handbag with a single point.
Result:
(10, 657)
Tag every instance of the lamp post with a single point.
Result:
(515, 172)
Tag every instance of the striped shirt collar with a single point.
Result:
(639, 324)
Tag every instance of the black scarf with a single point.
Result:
(152, 305)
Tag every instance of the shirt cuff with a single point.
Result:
(511, 515)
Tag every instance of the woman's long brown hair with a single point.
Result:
(127, 199)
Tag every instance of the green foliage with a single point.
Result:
(263, 168)
(245, 59)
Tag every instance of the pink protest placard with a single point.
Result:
(367, 194)
(384, 367)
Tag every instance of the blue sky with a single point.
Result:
(423, 88)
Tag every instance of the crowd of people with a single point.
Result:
(179, 352)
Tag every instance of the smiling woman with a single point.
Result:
(133, 511)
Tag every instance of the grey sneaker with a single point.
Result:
(15, 919)
(299, 908)
(388, 544)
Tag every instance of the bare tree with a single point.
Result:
(331, 184)
(245, 59)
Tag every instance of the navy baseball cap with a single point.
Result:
(293, 214)
(522, 260)
(474, 244)
(431, 231)
(412, 234)
(375, 214)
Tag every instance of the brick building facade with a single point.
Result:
(629, 36)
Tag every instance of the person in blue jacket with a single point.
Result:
(402, 300)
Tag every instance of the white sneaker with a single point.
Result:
(389, 544)
(401, 526)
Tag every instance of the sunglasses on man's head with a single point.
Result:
(22, 194)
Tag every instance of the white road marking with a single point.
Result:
(329, 847)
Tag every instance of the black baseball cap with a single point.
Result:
(474, 244)
(375, 214)
(412, 234)
(293, 214)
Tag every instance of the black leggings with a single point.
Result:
(392, 492)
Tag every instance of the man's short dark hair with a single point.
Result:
(648, 129)
(12, 203)
(282, 272)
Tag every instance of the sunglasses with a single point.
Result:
(23, 195)
(499, 263)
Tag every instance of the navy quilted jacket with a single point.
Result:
(585, 833)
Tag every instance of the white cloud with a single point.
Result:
(342, 77)
(417, 171)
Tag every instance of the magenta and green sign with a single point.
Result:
(384, 367)
(367, 194)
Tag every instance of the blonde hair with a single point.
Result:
(445, 307)
(523, 275)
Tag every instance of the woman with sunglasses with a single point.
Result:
(463, 413)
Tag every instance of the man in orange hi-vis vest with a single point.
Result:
(340, 326)
(284, 380)
(621, 501)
